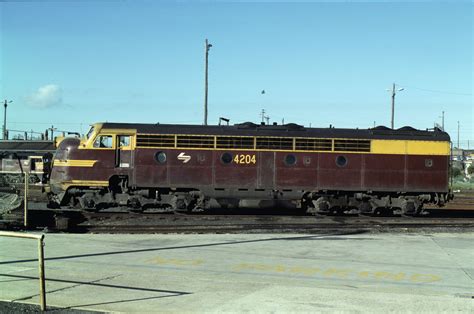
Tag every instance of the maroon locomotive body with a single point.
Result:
(194, 167)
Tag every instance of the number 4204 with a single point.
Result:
(245, 159)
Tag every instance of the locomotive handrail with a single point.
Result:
(40, 238)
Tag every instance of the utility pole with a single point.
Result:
(5, 119)
(264, 117)
(394, 93)
(52, 129)
(442, 120)
(207, 46)
(458, 134)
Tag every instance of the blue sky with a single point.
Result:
(72, 63)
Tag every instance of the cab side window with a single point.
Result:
(123, 140)
(103, 141)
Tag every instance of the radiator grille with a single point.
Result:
(234, 142)
(283, 143)
(152, 140)
(199, 141)
(313, 144)
(352, 145)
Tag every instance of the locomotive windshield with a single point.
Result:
(88, 135)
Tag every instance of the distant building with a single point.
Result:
(463, 159)
(467, 164)
(468, 155)
(457, 154)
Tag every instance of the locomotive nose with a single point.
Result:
(59, 164)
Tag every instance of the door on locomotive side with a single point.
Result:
(103, 151)
(123, 151)
(266, 170)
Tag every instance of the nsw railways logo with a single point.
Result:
(184, 158)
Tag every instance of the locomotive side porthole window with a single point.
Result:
(160, 157)
(341, 161)
(226, 158)
(428, 163)
(290, 160)
(103, 141)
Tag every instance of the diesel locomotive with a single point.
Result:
(193, 167)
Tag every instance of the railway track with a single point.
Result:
(160, 223)
(236, 221)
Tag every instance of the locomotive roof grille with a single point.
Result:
(279, 143)
(235, 142)
(352, 145)
(152, 140)
(313, 144)
(195, 141)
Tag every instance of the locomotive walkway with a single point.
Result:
(236, 272)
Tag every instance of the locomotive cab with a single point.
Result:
(92, 163)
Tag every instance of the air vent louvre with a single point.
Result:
(352, 145)
(152, 140)
(199, 141)
(313, 144)
(283, 143)
(234, 142)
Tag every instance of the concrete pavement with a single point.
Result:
(245, 273)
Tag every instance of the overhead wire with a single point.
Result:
(435, 91)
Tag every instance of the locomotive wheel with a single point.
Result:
(411, 208)
(334, 211)
(135, 204)
(322, 206)
(85, 204)
(366, 209)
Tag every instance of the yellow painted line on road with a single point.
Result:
(342, 273)
(323, 272)
(175, 261)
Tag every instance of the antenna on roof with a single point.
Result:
(223, 119)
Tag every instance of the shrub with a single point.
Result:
(456, 172)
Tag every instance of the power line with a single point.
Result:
(438, 91)
(48, 123)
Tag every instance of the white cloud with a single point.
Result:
(46, 96)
